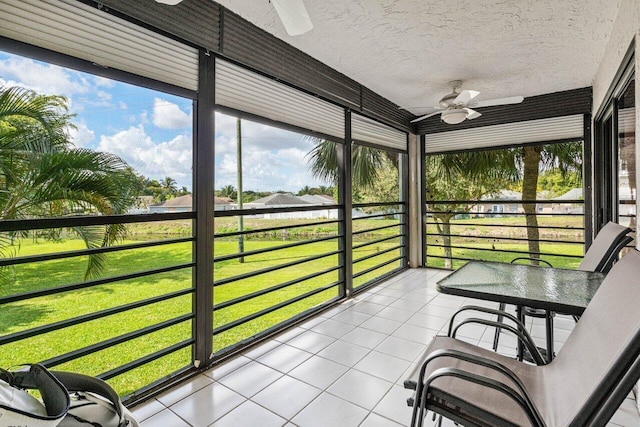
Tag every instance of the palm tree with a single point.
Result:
(366, 163)
(169, 185)
(533, 159)
(43, 175)
(304, 190)
(228, 191)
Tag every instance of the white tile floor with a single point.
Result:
(343, 368)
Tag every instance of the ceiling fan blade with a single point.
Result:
(465, 97)
(426, 116)
(169, 2)
(294, 16)
(498, 101)
(472, 114)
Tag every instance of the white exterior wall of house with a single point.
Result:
(625, 29)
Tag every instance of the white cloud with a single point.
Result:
(273, 159)
(81, 136)
(167, 115)
(42, 78)
(104, 82)
(152, 159)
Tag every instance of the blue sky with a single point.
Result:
(152, 131)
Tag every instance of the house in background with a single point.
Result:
(185, 204)
(287, 200)
(567, 203)
(504, 203)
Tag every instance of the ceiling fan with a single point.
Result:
(292, 13)
(455, 107)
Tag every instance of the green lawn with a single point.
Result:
(473, 233)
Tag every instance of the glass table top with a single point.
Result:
(556, 289)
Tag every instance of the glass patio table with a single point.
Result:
(552, 289)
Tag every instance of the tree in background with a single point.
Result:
(42, 174)
(169, 184)
(524, 164)
(366, 161)
(227, 191)
(451, 178)
(532, 159)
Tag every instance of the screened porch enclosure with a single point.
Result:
(246, 187)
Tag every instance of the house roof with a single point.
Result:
(178, 202)
(504, 195)
(573, 194)
(318, 199)
(186, 201)
(280, 199)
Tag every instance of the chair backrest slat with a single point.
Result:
(601, 250)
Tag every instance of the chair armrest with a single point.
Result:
(522, 335)
(486, 310)
(470, 358)
(531, 259)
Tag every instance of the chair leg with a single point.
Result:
(496, 336)
(520, 348)
(549, 325)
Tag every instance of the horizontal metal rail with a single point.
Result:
(519, 239)
(475, 224)
(273, 308)
(376, 267)
(267, 229)
(85, 351)
(506, 202)
(381, 215)
(146, 359)
(375, 204)
(273, 248)
(505, 251)
(364, 258)
(384, 227)
(49, 327)
(88, 220)
(258, 211)
(90, 283)
(505, 214)
(229, 303)
(273, 268)
(90, 251)
(373, 242)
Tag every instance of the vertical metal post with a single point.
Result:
(345, 199)
(403, 178)
(587, 182)
(423, 197)
(204, 131)
(239, 177)
(414, 201)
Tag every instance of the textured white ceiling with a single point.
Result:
(407, 50)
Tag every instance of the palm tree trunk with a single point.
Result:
(531, 165)
(445, 232)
